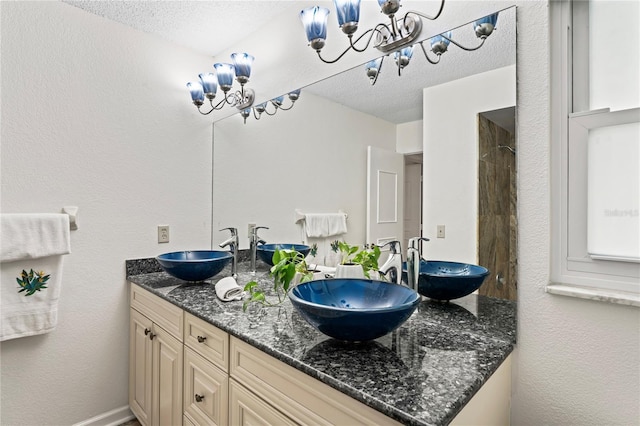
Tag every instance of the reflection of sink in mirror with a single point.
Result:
(441, 280)
(354, 309)
(265, 251)
(197, 265)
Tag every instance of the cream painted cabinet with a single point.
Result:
(155, 360)
(271, 386)
(206, 381)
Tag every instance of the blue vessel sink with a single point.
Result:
(265, 251)
(442, 280)
(354, 309)
(195, 265)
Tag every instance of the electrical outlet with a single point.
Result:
(163, 233)
(440, 231)
(250, 228)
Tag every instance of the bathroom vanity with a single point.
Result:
(197, 360)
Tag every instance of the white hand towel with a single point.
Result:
(227, 289)
(30, 236)
(325, 224)
(31, 272)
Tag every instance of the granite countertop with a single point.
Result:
(421, 374)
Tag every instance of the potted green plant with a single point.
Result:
(289, 268)
(357, 262)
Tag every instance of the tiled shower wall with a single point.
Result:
(497, 220)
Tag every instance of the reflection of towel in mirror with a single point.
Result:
(227, 289)
(33, 243)
(325, 224)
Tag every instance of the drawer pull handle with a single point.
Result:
(199, 398)
(201, 339)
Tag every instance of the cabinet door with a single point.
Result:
(167, 379)
(140, 366)
(206, 391)
(247, 409)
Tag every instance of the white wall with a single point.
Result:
(450, 168)
(312, 157)
(409, 137)
(94, 115)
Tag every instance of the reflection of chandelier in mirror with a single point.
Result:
(439, 44)
(399, 33)
(276, 103)
(208, 83)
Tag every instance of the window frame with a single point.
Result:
(573, 271)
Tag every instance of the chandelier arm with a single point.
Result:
(205, 113)
(468, 49)
(266, 110)
(427, 56)
(371, 32)
(288, 108)
(375, 79)
(255, 114)
(429, 17)
(352, 44)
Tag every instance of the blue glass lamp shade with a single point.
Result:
(439, 44)
(242, 63)
(294, 95)
(197, 94)
(485, 26)
(225, 76)
(389, 7)
(260, 107)
(209, 83)
(403, 56)
(314, 20)
(348, 12)
(277, 101)
(372, 68)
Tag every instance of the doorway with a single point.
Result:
(497, 196)
(412, 199)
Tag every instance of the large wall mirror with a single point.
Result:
(447, 121)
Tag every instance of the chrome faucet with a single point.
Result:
(392, 268)
(254, 241)
(232, 242)
(413, 261)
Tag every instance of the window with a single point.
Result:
(595, 150)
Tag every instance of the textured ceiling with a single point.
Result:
(211, 27)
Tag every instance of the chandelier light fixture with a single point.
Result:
(208, 83)
(276, 104)
(438, 45)
(388, 37)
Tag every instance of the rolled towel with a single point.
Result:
(227, 289)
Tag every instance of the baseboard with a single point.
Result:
(110, 418)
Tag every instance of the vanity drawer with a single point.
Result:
(300, 397)
(207, 340)
(161, 312)
(206, 391)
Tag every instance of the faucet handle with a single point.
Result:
(234, 231)
(413, 242)
(254, 230)
(394, 246)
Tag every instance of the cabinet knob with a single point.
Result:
(201, 339)
(199, 398)
(151, 336)
(146, 331)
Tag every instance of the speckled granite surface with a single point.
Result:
(421, 374)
